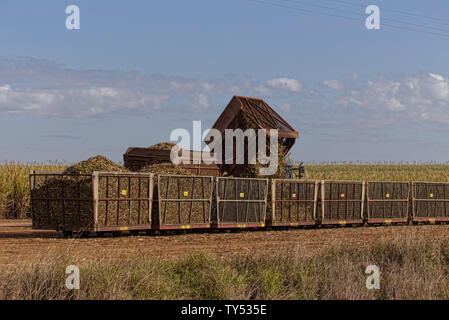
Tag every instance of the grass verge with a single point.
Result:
(409, 269)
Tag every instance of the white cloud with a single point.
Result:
(416, 97)
(333, 84)
(76, 102)
(31, 86)
(285, 84)
(200, 102)
(286, 107)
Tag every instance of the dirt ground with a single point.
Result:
(20, 244)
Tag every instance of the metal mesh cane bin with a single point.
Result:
(387, 202)
(342, 202)
(293, 202)
(184, 202)
(240, 202)
(103, 201)
(430, 201)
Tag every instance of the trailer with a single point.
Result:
(183, 202)
(136, 158)
(342, 202)
(97, 203)
(240, 203)
(293, 202)
(430, 201)
(387, 202)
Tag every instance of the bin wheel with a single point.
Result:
(134, 232)
(116, 234)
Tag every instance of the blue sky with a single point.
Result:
(138, 69)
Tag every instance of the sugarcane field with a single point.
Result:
(224, 160)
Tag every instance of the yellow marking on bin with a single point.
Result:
(432, 220)
(124, 228)
(387, 221)
(342, 195)
(186, 193)
(342, 222)
(185, 226)
(387, 195)
(242, 195)
(431, 195)
(124, 192)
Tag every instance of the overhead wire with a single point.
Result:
(359, 14)
(393, 10)
(361, 17)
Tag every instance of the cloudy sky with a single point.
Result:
(135, 71)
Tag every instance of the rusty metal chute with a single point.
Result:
(261, 115)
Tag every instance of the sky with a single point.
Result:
(136, 70)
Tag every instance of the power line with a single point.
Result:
(359, 14)
(346, 17)
(393, 10)
(305, 10)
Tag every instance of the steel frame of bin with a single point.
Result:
(324, 201)
(95, 183)
(387, 220)
(95, 176)
(227, 225)
(415, 218)
(207, 225)
(305, 201)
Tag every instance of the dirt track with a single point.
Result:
(20, 244)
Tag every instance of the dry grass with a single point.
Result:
(379, 172)
(15, 187)
(410, 269)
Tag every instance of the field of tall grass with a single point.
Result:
(409, 269)
(15, 190)
(15, 187)
(379, 172)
